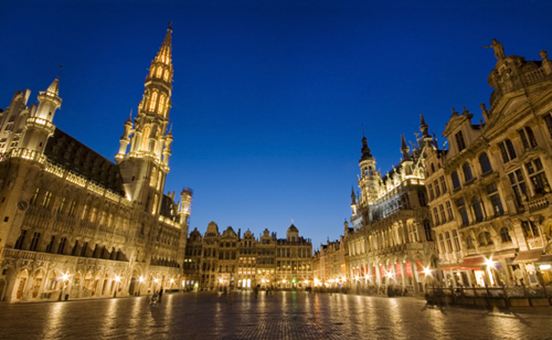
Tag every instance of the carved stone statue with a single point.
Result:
(498, 49)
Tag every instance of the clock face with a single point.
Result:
(22, 205)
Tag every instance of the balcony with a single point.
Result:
(537, 203)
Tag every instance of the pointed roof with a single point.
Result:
(353, 196)
(53, 89)
(164, 55)
(404, 148)
(424, 128)
(366, 153)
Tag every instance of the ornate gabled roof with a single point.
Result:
(67, 152)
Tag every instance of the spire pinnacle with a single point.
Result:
(404, 148)
(424, 128)
(53, 89)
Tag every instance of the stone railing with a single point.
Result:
(538, 203)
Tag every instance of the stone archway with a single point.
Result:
(20, 285)
(38, 279)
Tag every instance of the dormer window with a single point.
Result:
(460, 141)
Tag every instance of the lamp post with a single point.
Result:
(64, 278)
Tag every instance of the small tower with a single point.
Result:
(369, 177)
(353, 202)
(39, 126)
(405, 150)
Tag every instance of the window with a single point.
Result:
(449, 242)
(61, 205)
(507, 150)
(484, 163)
(505, 235)
(485, 239)
(530, 229)
(442, 213)
(537, 176)
(449, 211)
(527, 138)
(72, 208)
(494, 198)
(469, 242)
(20, 240)
(442, 243)
(34, 241)
(75, 249)
(50, 246)
(443, 184)
(548, 120)
(456, 241)
(437, 189)
(455, 180)
(61, 247)
(35, 196)
(460, 141)
(468, 176)
(477, 208)
(47, 199)
(436, 216)
(518, 186)
(427, 230)
(461, 206)
(84, 250)
(430, 191)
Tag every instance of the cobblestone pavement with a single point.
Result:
(284, 315)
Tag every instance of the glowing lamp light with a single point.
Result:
(427, 271)
(172, 281)
(390, 275)
(545, 266)
(141, 279)
(489, 262)
(64, 277)
(117, 278)
(156, 280)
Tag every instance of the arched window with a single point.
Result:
(477, 209)
(485, 239)
(153, 101)
(466, 168)
(455, 180)
(485, 163)
(505, 235)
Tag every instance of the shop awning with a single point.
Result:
(528, 256)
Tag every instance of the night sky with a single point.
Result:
(270, 98)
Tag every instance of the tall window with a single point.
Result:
(443, 184)
(477, 208)
(537, 176)
(437, 189)
(548, 120)
(485, 163)
(436, 216)
(84, 250)
(430, 191)
(449, 242)
(442, 213)
(466, 168)
(427, 230)
(530, 229)
(519, 188)
(494, 198)
(442, 243)
(62, 244)
(20, 240)
(449, 211)
(72, 208)
(505, 235)
(461, 206)
(34, 241)
(75, 249)
(35, 197)
(50, 246)
(456, 241)
(455, 180)
(47, 199)
(527, 138)
(507, 150)
(460, 141)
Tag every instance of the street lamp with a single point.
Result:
(427, 271)
(117, 281)
(64, 278)
(490, 264)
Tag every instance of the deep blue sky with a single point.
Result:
(270, 98)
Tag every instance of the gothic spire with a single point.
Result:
(353, 196)
(404, 148)
(424, 128)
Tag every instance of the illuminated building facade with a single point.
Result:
(228, 259)
(489, 191)
(77, 225)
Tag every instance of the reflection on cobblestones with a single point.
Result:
(286, 315)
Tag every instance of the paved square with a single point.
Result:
(283, 315)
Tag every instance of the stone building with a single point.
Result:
(330, 264)
(489, 191)
(75, 224)
(218, 260)
(391, 242)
